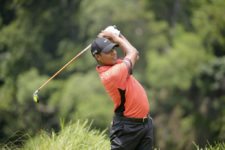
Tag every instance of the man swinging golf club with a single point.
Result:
(132, 127)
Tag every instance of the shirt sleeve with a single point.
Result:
(118, 75)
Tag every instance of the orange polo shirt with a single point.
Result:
(118, 77)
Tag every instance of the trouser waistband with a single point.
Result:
(138, 120)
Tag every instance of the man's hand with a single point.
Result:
(113, 29)
(110, 33)
(111, 36)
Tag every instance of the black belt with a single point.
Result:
(138, 120)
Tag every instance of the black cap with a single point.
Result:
(102, 45)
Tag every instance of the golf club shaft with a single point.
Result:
(75, 57)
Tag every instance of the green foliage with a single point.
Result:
(175, 67)
(209, 24)
(76, 99)
(211, 77)
(181, 65)
(19, 47)
(215, 146)
(25, 85)
(77, 136)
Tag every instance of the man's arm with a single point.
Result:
(129, 50)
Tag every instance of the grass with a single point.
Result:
(77, 136)
(216, 146)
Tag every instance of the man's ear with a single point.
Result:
(98, 57)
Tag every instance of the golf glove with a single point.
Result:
(113, 29)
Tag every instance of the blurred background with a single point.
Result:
(181, 66)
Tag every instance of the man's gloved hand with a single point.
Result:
(113, 29)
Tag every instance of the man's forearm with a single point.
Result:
(129, 50)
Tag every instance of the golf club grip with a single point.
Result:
(64, 67)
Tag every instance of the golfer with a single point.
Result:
(132, 127)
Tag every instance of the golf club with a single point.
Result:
(35, 94)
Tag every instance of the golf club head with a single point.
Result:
(35, 97)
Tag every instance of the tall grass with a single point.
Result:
(77, 136)
(216, 146)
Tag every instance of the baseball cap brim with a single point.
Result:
(109, 47)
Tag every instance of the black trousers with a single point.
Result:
(128, 134)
